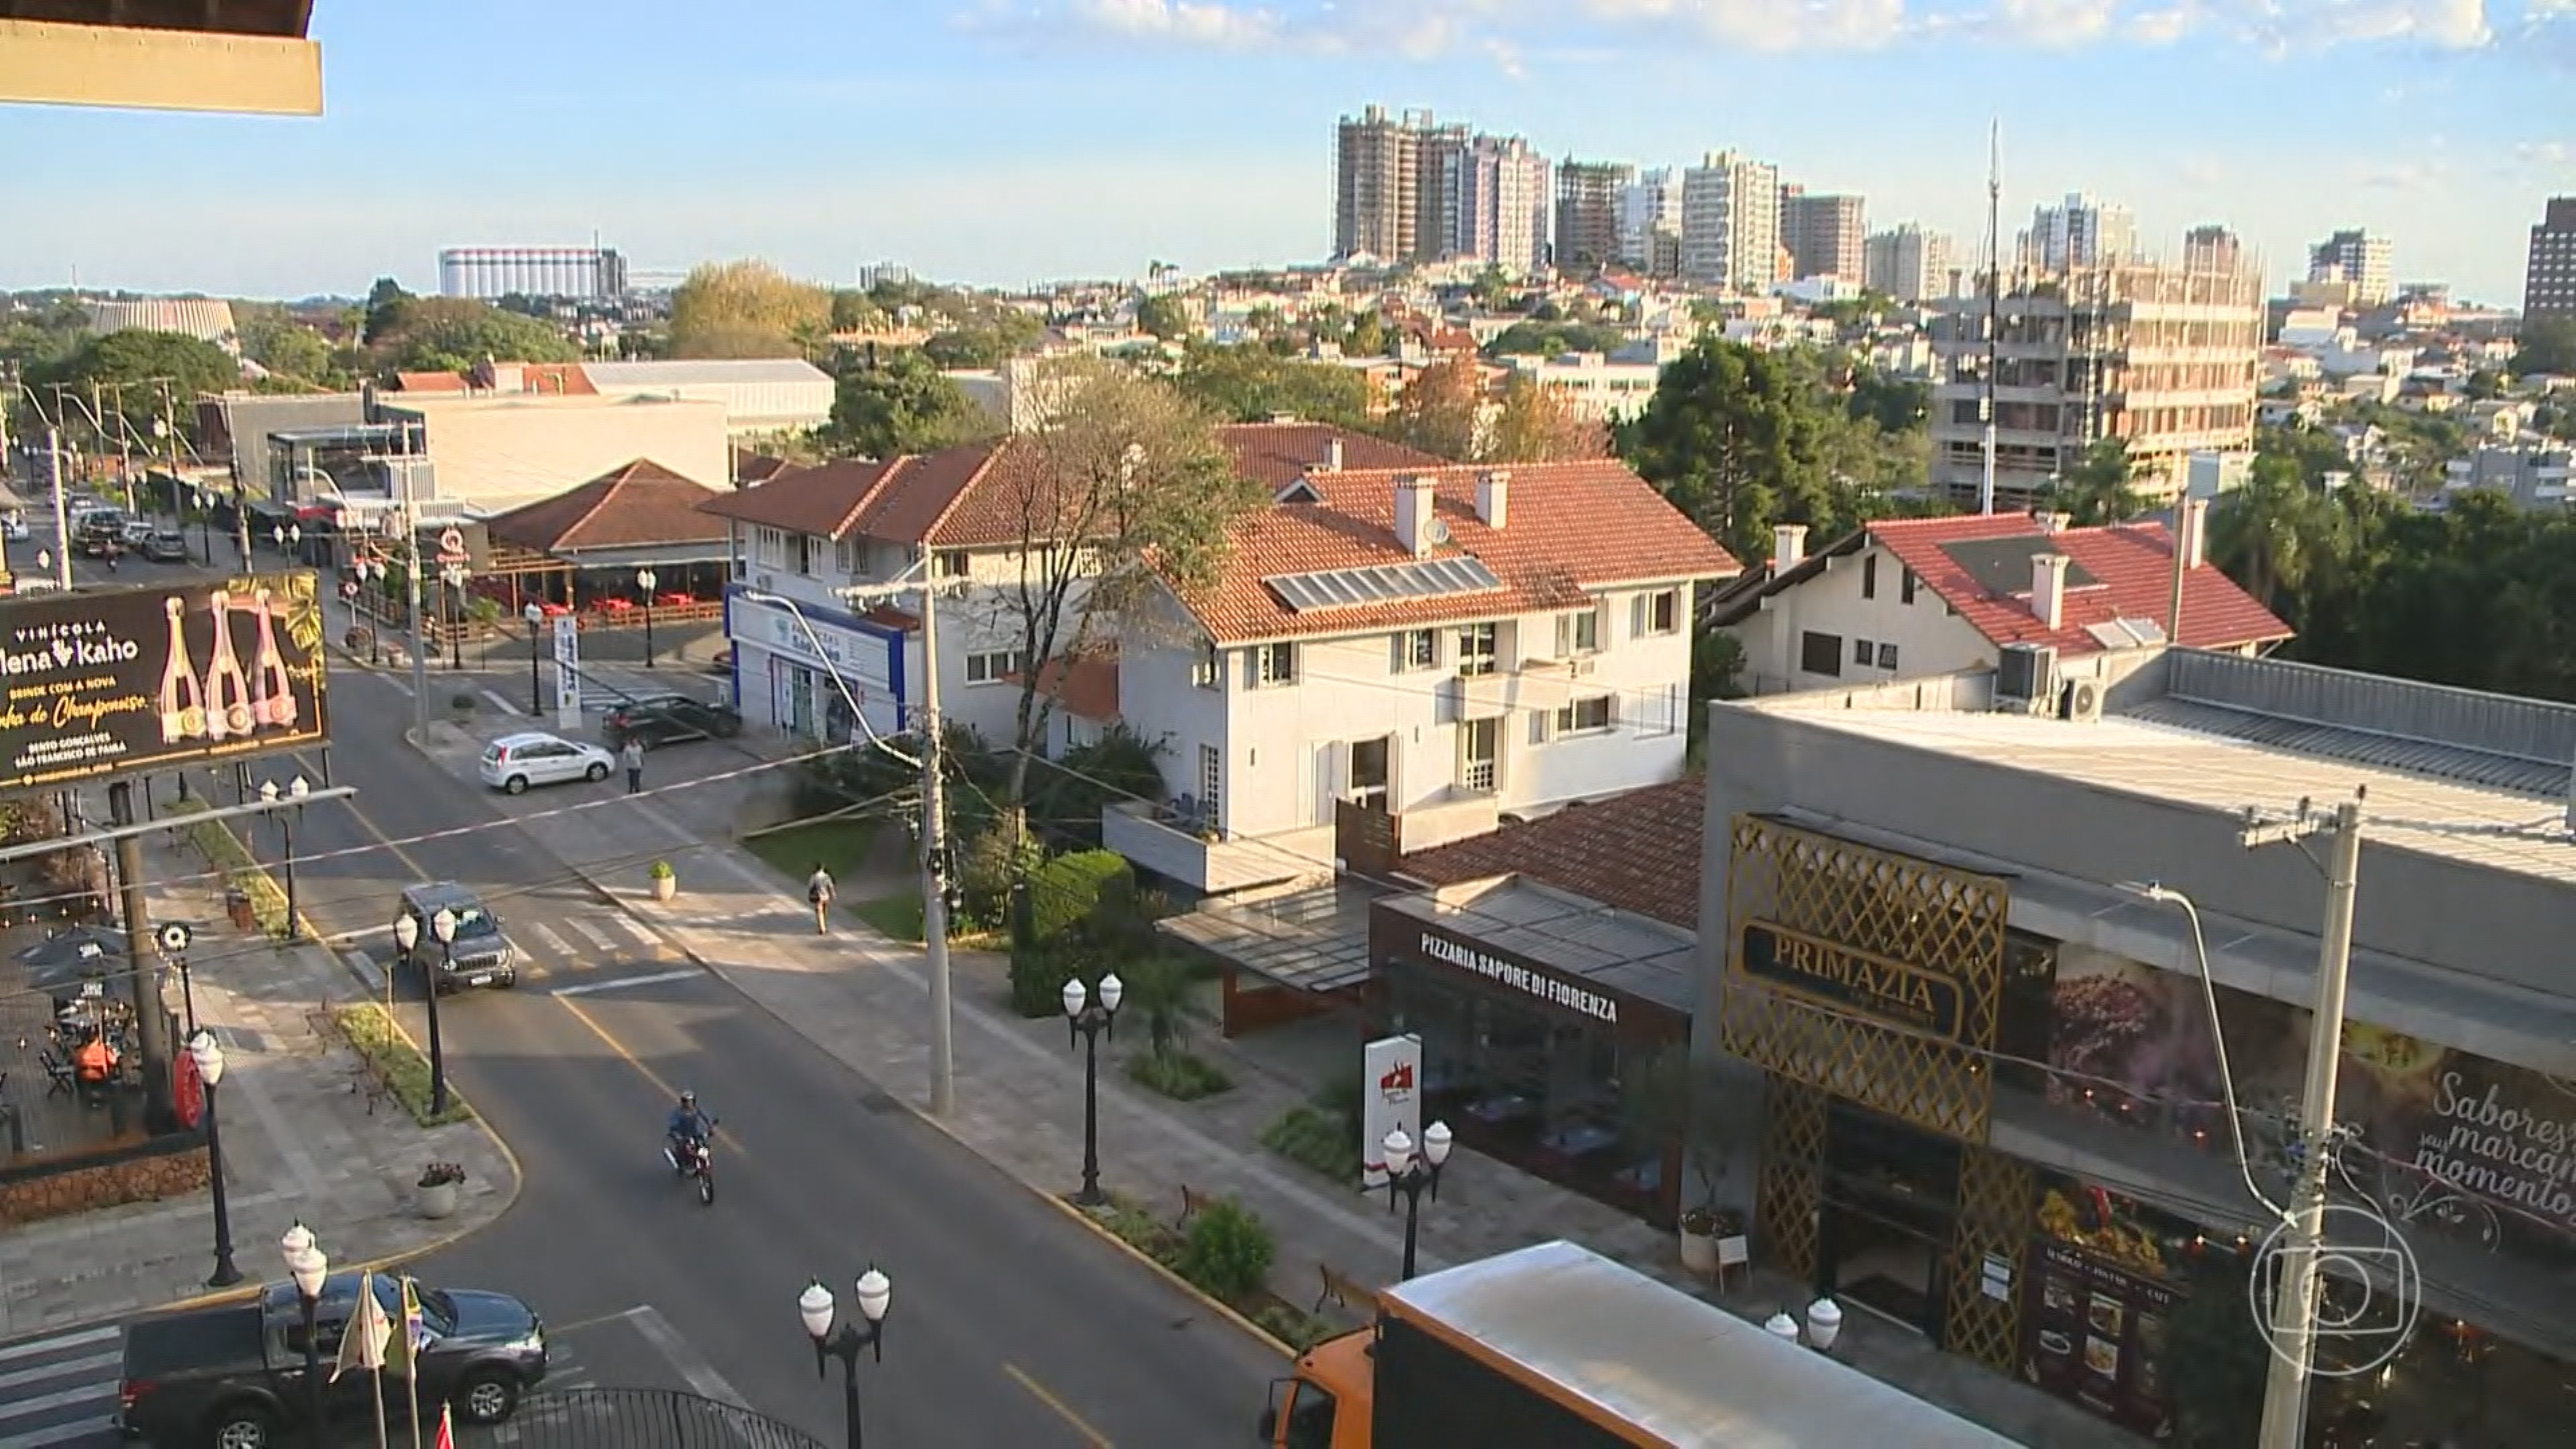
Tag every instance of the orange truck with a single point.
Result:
(1557, 1347)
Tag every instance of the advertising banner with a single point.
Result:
(2454, 1142)
(117, 681)
(2097, 1320)
(567, 672)
(1392, 1098)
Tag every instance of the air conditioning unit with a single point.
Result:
(2026, 678)
(2083, 701)
(1583, 667)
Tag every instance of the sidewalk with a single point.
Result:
(299, 1142)
(1019, 1096)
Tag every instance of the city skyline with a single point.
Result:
(1005, 144)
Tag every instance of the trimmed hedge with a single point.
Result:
(1317, 1140)
(1065, 891)
(214, 839)
(396, 1062)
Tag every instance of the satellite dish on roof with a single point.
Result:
(1437, 532)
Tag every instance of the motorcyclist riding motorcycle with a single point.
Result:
(689, 1129)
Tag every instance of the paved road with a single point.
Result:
(1011, 1325)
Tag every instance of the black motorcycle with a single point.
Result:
(694, 1159)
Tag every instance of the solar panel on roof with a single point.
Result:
(1382, 583)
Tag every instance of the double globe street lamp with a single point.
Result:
(536, 617)
(645, 579)
(1409, 1174)
(208, 1055)
(875, 1294)
(442, 928)
(1089, 1019)
(311, 1268)
(295, 792)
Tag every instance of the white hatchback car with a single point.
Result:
(514, 762)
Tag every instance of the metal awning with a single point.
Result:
(1310, 937)
(1634, 955)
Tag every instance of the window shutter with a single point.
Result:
(1332, 778)
(1565, 636)
(1538, 726)
(1601, 625)
(1637, 617)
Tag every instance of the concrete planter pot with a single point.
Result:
(665, 887)
(1699, 1254)
(438, 1201)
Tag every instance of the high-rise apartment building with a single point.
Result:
(2549, 277)
(1731, 222)
(1907, 263)
(581, 274)
(1650, 223)
(2359, 258)
(2164, 358)
(1587, 212)
(1377, 183)
(1440, 178)
(2082, 231)
(1500, 209)
(1824, 234)
(2214, 249)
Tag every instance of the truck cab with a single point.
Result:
(1325, 1405)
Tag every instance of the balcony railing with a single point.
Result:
(1209, 859)
(634, 1419)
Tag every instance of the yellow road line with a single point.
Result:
(1038, 1391)
(733, 1144)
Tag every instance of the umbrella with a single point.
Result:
(79, 954)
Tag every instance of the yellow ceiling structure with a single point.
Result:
(246, 56)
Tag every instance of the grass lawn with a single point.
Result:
(898, 917)
(841, 845)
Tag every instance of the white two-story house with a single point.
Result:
(1914, 597)
(1412, 654)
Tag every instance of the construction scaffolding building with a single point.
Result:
(2163, 358)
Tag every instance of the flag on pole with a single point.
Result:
(446, 1428)
(414, 1335)
(362, 1346)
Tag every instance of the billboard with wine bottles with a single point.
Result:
(115, 681)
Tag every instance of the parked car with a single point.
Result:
(139, 531)
(165, 545)
(232, 1376)
(515, 762)
(481, 955)
(13, 526)
(669, 719)
(98, 530)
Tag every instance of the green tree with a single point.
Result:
(1441, 409)
(1733, 438)
(1492, 290)
(1367, 338)
(1249, 384)
(386, 302)
(1533, 424)
(453, 334)
(968, 348)
(1548, 339)
(289, 349)
(1166, 315)
(2267, 535)
(856, 311)
(137, 359)
(2103, 488)
(902, 405)
(2548, 345)
(748, 309)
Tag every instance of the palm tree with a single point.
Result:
(2272, 535)
(2103, 487)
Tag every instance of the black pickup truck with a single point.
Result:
(232, 1376)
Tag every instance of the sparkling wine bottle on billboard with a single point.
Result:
(272, 693)
(228, 712)
(183, 700)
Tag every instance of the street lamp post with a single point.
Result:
(311, 1268)
(644, 582)
(535, 617)
(294, 792)
(175, 936)
(206, 525)
(442, 928)
(814, 1305)
(1089, 1019)
(1408, 1176)
(209, 1057)
(453, 576)
(290, 539)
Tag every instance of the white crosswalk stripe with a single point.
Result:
(60, 1391)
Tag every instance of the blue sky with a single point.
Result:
(1004, 141)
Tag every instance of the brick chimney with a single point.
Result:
(1332, 455)
(2195, 532)
(2048, 588)
(2053, 523)
(1494, 497)
(1413, 516)
(1788, 547)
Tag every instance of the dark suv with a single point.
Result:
(481, 955)
(669, 719)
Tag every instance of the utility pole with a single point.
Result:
(2294, 1297)
(1994, 304)
(934, 862)
(62, 515)
(411, 584)
(151, 1017)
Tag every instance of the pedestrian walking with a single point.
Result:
(632, 757)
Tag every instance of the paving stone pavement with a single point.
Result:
(299, 1142)
(1019, 1096)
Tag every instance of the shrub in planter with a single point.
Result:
(1229, 1251)
(442, 1174)
(1315, 1140)
(1178, 1075)
(461, 702)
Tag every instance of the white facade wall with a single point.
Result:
(1731, 222)
(773, 397)
(1927, 637)
(494, 454)
(1285, 749)
(1592, 386)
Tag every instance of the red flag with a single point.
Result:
(446, 1428)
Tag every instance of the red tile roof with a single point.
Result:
(824, 500)
(1278, 454)
(750, 468)
(638, 506)
(1637, 852)
(1569, 528)
(1087, 688)
(565, 379)
(2133, 561)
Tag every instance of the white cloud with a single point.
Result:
(1195, 22)
(2053, 22)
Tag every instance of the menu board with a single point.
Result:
(2097, 1334)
